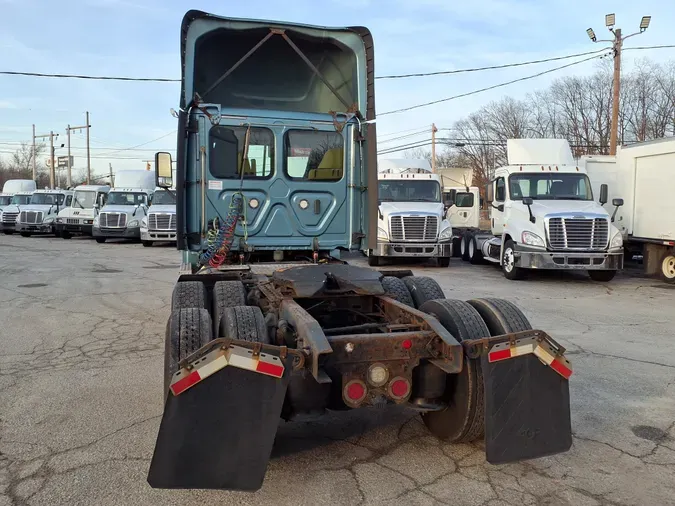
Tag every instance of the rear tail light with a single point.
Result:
(399, 388)
(354, 392)
(378, 375)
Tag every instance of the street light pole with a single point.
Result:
(617, 45)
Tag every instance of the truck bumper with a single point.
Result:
(158, 235)
(390, 249)
(529, 258)
(83, 229)
(39, 228)
(119, 233)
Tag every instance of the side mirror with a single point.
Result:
(163, 170)
(603, 194)
(617, 202)
(528, 201)
(489, 193)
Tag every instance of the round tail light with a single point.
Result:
(399, 388)
(354, 392)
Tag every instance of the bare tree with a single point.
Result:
(20, 164)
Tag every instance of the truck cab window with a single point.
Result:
(500, 189)
(226, 151)
(464, 199)
(314, 156)
(69, 200)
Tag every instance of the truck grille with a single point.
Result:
(112, 220)
(578, 233)
(9, 218)
(72, 221)
(413, 228)
(157, 221)
(31, 217)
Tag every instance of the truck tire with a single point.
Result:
(189, 294)
(457, 247)
(509, 268)
(602, 276)
(226, 294)
(423, 289)
(473, 251)
(66, 235)
(146, 244)
(501, 316)
(100, 240)
(463, 420)
(668, 268)
(188, 330)
(464, 246)
(396, 289)
(25, 234)
(443, 261)
(245, 323)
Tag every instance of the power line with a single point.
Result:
(474, 92)
(492, 67)
(173, 132)
(648, 47)
(97, 78)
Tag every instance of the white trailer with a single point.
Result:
(643, 175)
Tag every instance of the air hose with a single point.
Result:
(221, 236)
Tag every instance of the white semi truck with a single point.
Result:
(411, 215)
(78, 219)
(463, 213)
(543, 215)
(15, 192)
(160, 223)
(127, 204)
(39, 216)
(643, 176)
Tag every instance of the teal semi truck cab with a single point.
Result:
(276, 160)
(289, 157)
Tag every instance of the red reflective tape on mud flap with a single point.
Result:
(541, 349)
(217, 359)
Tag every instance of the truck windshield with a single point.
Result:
(550, 186)
(5, 200)
(84, 199)
(21, 199)
(125, 198)
(163, 198)
(48, 198)
(409, 190)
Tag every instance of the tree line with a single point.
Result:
(575, 108)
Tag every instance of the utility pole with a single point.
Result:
(433, 147)
(69, 129)
(51, 136)
(88, 155)
(34, 158)
(70, 169)
(112, 181)
(617, 44)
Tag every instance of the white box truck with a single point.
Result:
(543, 215)
(643, 176)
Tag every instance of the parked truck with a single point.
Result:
(543, 215)
(22, 188)
(78, 219)
(411, 215)
(463, 208)
(160, 223)
(249, 343)
(39, 216)
(126, 205)
(11, 212)
(642, 177)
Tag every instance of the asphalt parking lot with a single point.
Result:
(81, 335)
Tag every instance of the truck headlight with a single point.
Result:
(144, 222)
(133, 223)
(59, 220)
(48, 220)
(446, 234)
(532, 239)
(96, 221)
(382, 234)
(617, 241)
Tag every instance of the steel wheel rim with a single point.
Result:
(462, 246)
(508, 260)
(668, 267)
(472, 249)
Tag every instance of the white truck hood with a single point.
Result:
(171, 209)
(435, 208)
(39, 207)
(13, 208)
(122, 209)
(544, 207)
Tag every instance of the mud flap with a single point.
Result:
(219, 433)
(527, 410)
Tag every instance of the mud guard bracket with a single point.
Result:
(527, 410)
(219, 433)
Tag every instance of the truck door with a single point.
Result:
(497, 210)
(464, 212)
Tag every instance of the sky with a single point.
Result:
(140, 38)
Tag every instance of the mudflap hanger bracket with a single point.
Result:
(350, 108)
(223, 352)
